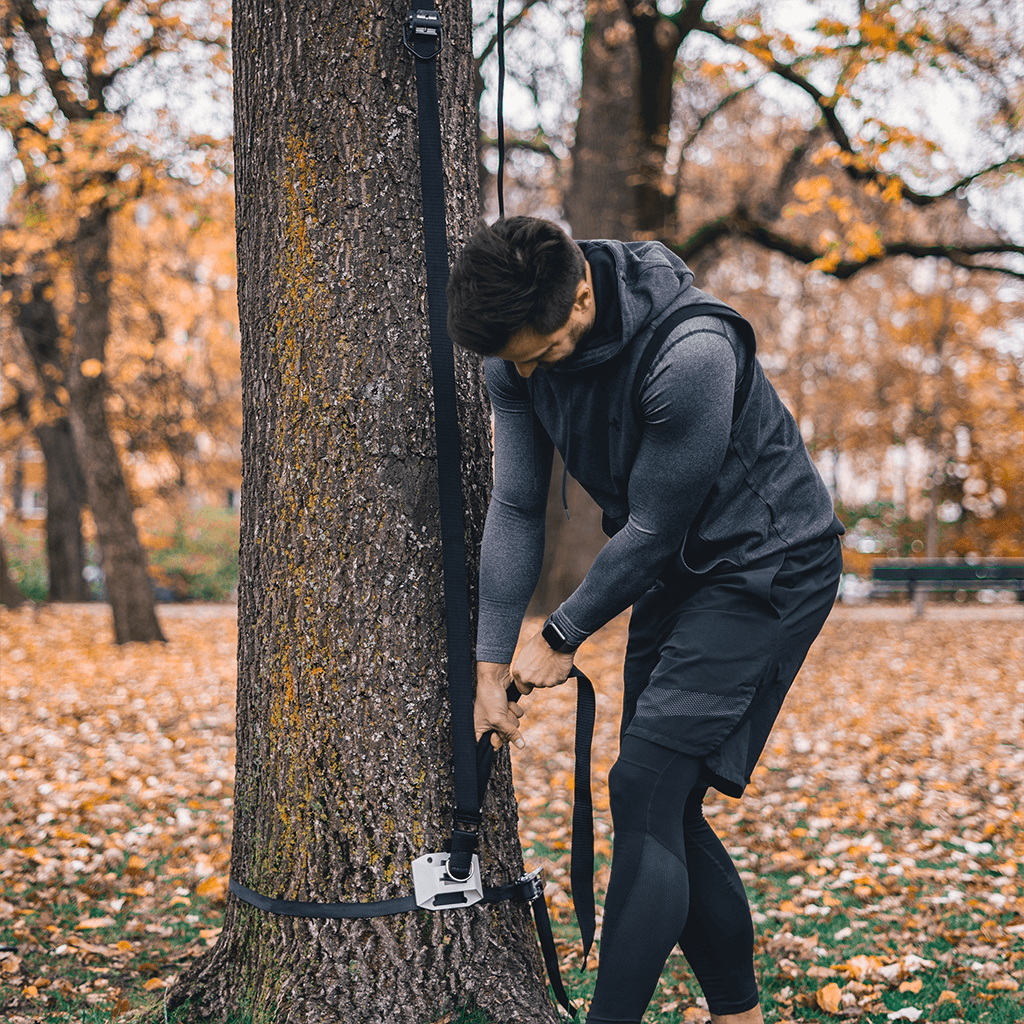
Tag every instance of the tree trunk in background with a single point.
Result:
(936, 464)
(344, 770)
(599, 203)
(65, 552)
(657, 40)
(124, 560)
(618, 160)
(36, 320)
(10, 595)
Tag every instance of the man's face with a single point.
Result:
(528, 349)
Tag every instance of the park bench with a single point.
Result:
(909, 575)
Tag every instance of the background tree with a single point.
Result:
(174, 404)
(72, 76)
(40, 404)
(828, 141)
(343, 761)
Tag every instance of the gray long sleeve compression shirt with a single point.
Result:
(686, 406)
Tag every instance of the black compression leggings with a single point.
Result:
(672, 881)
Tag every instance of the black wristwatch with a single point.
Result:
(556, 641)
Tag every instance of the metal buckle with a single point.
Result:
(531, 886)
(424, 24)
(436, 890)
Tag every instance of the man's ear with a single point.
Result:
(584, 293)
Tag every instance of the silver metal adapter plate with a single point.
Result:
(436, 890)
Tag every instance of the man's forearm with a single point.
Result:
(510, 560)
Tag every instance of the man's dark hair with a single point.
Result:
(518, 272)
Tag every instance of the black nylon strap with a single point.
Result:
(581, 863)
(449, 462)
(520, 891)
(296, 908)
(501, 108)
(380, 908)
(581, 866)
(547, 946)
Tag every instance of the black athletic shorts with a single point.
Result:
(711, 657)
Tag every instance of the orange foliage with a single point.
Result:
(170, 359)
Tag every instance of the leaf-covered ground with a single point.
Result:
(881, 841)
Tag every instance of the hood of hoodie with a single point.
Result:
(651, 281)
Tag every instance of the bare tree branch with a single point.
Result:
(97, 81)
(857, 168)
(509, 25)
(787, 72)
(716, 109)
(1012, 161)
(739, 224)
(36, 26)
(535, 143)
(689, 17)
(106, 19)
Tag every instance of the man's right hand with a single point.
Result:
(493, 712)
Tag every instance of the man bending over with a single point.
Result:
(723, 539)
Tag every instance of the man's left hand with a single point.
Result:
(538, 665)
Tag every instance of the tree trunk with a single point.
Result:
(124, 560)
(344, 771)
(936, 466)
(618, 160)
(931, 529)
(10, 595)
(36, 318)
(65, 552)
(600, 201)
(657, 41)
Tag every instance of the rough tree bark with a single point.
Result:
(344, 770)
(36, 320)
(123, 558)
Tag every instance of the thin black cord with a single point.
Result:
(501, 104)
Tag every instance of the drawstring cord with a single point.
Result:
(565, 461)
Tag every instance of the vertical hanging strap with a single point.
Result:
(501, 108)
(423, 38)
(581, 857)
(581, 867)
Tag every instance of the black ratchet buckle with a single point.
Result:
(423, 25)
(530, 886)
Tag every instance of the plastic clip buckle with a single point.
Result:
(423, 25)
(435, 889)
